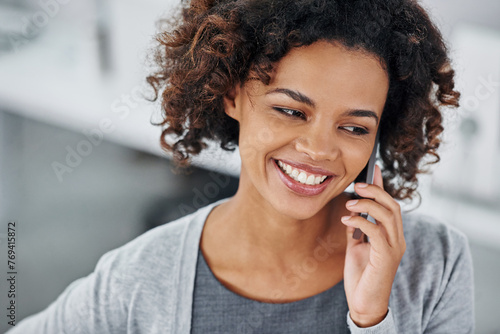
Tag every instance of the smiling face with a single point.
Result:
(319, 115)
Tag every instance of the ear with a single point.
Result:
(231, 102)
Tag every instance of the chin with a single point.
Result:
(299, 210)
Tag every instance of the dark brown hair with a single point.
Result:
(213, 45)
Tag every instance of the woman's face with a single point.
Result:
(319, 115)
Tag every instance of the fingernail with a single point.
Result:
(362, 185)
(344, 219)
(351, 203)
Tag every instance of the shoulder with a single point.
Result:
(432, 241)
(436, 265)
(159, 246)
(433, 286)
(155, 253)
(436, 254)
(127, 285)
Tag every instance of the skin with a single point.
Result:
(262, 241)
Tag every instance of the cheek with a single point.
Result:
(257, 137)
(264, 130)
(264, 135)
(355, 159)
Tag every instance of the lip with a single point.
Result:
(307, 168)
(302, 189)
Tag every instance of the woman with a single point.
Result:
(302, 88)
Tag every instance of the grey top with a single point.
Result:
(217, 309)
(147, 286)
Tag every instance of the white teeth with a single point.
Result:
(301, 177)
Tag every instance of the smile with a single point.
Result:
(300, 181)
(300, 175)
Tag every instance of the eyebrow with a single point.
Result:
(362, 113)
(299, 97)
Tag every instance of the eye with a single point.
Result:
(355, 130)
(289, 112)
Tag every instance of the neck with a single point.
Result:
(262, 238)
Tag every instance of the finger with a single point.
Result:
(384, 209)
(351, 240)
(374, 209)
(372, 191)
(357, 233)
(388, 214)
(384, 217)
(354, 235)
(378, 194)
(374, 232)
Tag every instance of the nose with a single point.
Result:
(319, 142)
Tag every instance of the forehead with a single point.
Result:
(329, 73)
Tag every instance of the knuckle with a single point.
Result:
(391, 215)
(396, 206)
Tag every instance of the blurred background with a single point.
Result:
(81, 170)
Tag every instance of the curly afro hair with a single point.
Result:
(211, 46)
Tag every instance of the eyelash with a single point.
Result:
(356, 130)
(288, 112)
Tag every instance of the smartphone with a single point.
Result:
(366, 176)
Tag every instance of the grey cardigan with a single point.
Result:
(146, 285)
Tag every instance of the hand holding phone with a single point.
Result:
(370, 268)
(368, 174)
